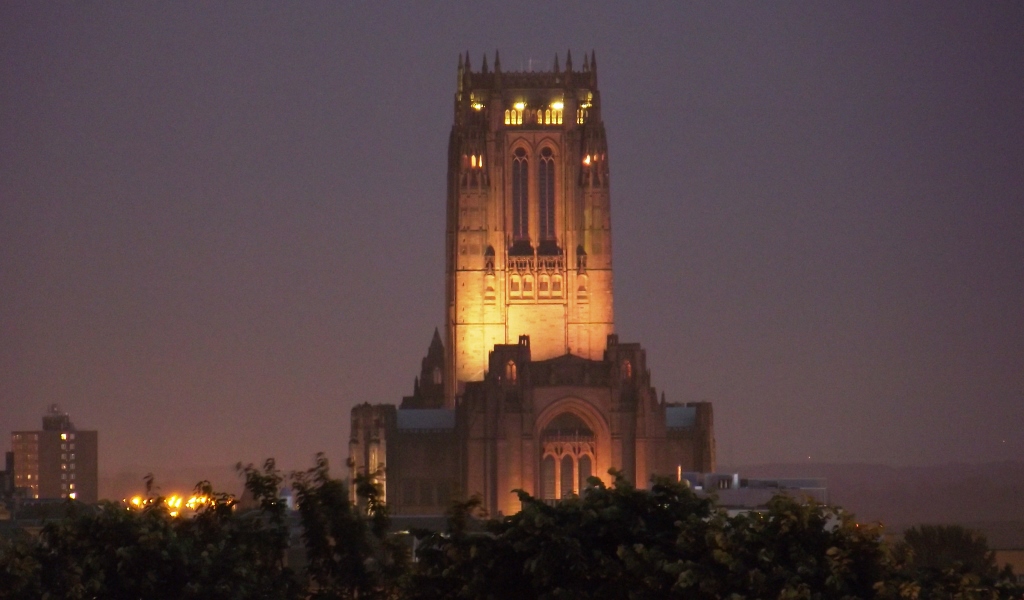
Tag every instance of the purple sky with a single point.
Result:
(221, 225)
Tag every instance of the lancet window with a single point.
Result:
(520, 201)
(546, 194)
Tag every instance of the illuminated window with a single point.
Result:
(547, 116)
(63, 436)
(547, 478)
(520, 205)
(546, 195)
(508, 117)
(627, 370)
(585, 471)
(510, 370)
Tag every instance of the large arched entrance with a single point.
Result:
(568, 447)
(574, 444)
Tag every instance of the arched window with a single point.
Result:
(547, 478)
(627, 370)
(437, 376)
(567, 456)
(546, 194)
(567, 476)
(585, 469)
(510, 370)
(520, 204)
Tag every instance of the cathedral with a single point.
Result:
(528, 386)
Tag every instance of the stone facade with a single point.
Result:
(530, 388)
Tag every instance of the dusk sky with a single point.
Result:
(222, 224)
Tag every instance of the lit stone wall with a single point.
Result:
(560, 297)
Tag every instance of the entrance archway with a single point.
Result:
(574, 443)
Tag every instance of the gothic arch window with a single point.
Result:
(547, 478)
(567, 456)
(544, 286)
(437, 376)
(520, 201)
(528, 286)
(515, 286)
(510, 370)
(567, 479)
(585, 467)
(546, 194)
(627, 370)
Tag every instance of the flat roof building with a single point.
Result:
(57, 461)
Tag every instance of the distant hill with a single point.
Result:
(988, 496)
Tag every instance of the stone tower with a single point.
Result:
(528, 244)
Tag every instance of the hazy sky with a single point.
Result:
(221, 224)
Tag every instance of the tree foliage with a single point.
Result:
(114, 552)
(950, 561)
(348, 551)
(612, 542)
(620, 542)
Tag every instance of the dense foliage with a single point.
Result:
(949, 561)
(613, 542)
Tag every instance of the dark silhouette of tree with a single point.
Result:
(620, 542)
(612, 542)
(348, 550)
(950, 561)
(114, 552)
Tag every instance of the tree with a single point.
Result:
(620, 542)
(348, 550)
(116, 552)
(950, 561)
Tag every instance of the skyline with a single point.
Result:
(221, 229)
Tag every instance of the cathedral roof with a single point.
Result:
(680, 417)
(426, 419)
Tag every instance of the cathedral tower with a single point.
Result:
(528, 244)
